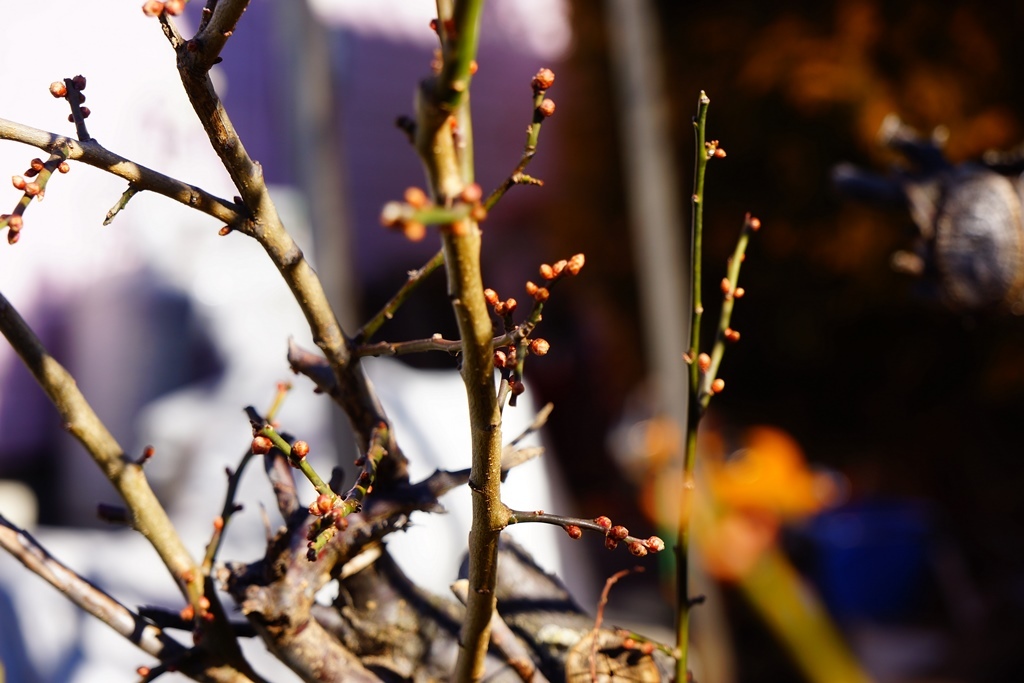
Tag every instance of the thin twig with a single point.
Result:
(694, 410)
(149, 638)
(612, 580)
(388, 311)
(94, 154)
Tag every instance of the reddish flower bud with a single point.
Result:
(704, 362)
(739, 292)
(726, 285)
(546, 107)
(18, 182)
(79, 82)
(413, 231)
(618, 532)
(33, 189)
(143, 671)
(187, 613)
(731, 334)
(58, 89)
(575, 264)
(648, 649)
(574, 531)
(516, 388)
(539, 347)
(754, 223)
(322, 505)
(218, 524)
(174, 7)
(300, 449)
(473, 67)
(655, 544)
(85, 112)
(416, 197)
(261, 445)
(226, 230)
(637, 548)
(629, 643)
(63, 167)
(510, 305)
(542, 294)
(490, 296)
(500, 359)
(558, 266)
(16, 222)
(37, 164)
(718, 386)
(547, 272)
(603, 522)
(152, 8)
(204, 603)
(471, 194)
(544, 79)
(610, 543)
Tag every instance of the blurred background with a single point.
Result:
(886, 427)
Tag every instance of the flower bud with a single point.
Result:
(754, 223)
(58, 89)
(546, 107)
(544, 79)
(300, 449)
(574, 531)
(261, 445)
(37, 164)
(610, 543)
(510, 305)
(413, 231)
(63, 167)
(500, 359)
(85, 112)
(152, 8)
(731, 335)
(726, 285)
(322, 504)
(655, 544)
(415, 197)
(603, 522)
(739, 292)
(704, 362)
(187, 613)
(18, 182)
(547, 272)
(490, 296)
(539, 347)
(618, 532)
(575, 264)
(33, 189)
(79, 82)
(174, 7)
(718, 386)
(558, 266)
(471, 194)
(16, 222)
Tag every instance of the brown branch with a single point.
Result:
(92, 153)
(147, 514)
(358, 399)
(149, 638)
(213, 34)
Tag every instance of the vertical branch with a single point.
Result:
(443, 113)
(695, 410)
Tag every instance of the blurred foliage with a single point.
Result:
(865, 369)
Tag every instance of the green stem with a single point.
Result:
(695, 411)
(386, 313)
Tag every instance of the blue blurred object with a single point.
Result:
(871, 558)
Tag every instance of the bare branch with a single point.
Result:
(150, 639)
(93, 154)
